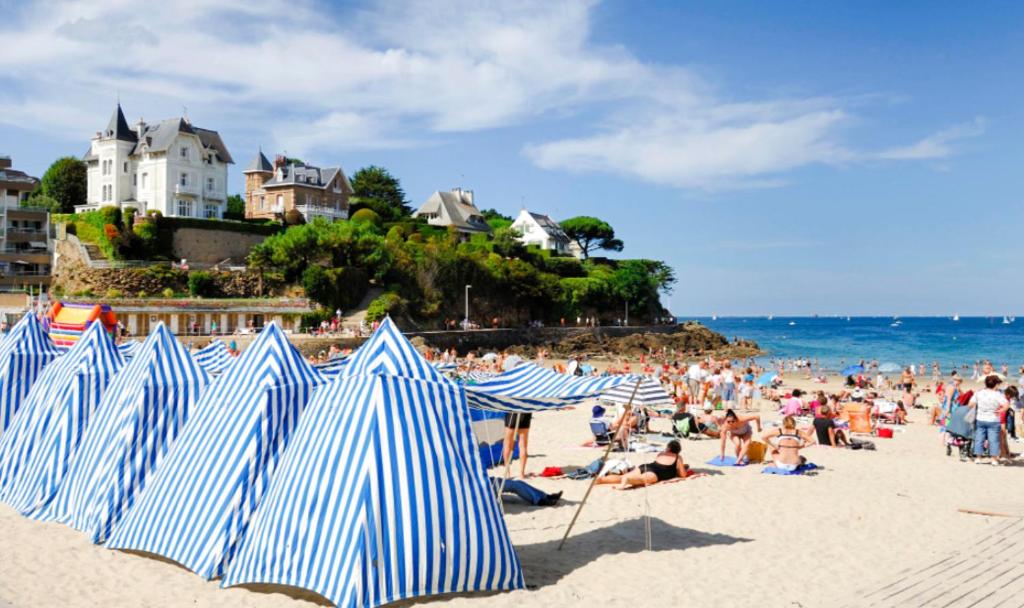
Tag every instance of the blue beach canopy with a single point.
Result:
(215, 357)
(850, 370)
(37, 448)
(649, 394)
(24, 352)
(196, 507)
(141, 414)
(381, 495)
(766, 378)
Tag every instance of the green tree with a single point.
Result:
(591, 234)
(236, 208)
(375, 188)
(65, 182)
(41, 200)
(507, 243)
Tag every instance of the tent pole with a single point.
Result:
(593, 480)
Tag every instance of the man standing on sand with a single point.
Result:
(695, 378)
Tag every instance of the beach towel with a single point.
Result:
(727, 461)
(800, 470)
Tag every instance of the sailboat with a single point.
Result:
(770, 317)
(714, 317)
(956, 317)
(1006, 320)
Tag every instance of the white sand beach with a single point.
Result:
(733, 537)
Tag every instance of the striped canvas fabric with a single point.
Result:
(529, 380)
(24, 352)
(196, 507)
(39, 445)
(215, 357)
(140, 416)
(389, 352)
(380, 497)
(333, 367)
(650, 394)
(128, 349)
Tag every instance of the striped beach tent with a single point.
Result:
(215, 357)
(332, 367)
(196, 507)
(24, 352)
(37, 448)
(128, 349)
(650, 394)
(139, 418)
(389, 352)
(529, 380)
(380, 497)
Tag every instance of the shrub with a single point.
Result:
(335, 288)
(114, 294)
(386, 304)
(168, 293)
(366, 215)
(111, 232)
(110, 215)
(200, 284)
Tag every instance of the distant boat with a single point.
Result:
(956, 317)
(1006, 320)
(714, 317)
(847, 318)
(792, 322)
(770, 317)
(896, 324)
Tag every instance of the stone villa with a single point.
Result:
(271, 190)
(455, 208)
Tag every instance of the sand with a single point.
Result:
(733, 538)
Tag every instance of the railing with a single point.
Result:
(26, 251)
(322, 211)
(26, 232)
(25, 273)
(185, 189)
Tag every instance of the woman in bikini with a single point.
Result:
(738, 429)
(786, 442)
(667, 465)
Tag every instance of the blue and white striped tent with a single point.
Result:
(128, 349)
(529, 380)
(24, 352)
(333, 367)
(215, 357)
(139, 418)
(380, 497)
(196, 508)
(39, 445)
(389, 352)
(649, 394)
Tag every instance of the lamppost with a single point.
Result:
(465, 322)
(627, 313)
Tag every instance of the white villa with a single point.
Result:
(455, 208)
(541, 230)
(173, 167)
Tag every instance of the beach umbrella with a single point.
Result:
(42, 440)
(381, 496)
(851, 370)
(215, 357)
(24, 353)
(140, 416)
(196, 507)
(767, 378)
(650, 394)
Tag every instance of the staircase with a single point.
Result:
(355, 317)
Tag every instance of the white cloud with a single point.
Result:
(938, 145)
(310, 77)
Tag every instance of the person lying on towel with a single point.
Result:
(525, 491)
(786, 442)
(667, 465)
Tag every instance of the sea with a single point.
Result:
(836, 342)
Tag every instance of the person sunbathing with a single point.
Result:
(667, 465)
(786, 442)
(738, 429)
(825, 429)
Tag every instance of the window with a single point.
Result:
(125, 167)
(135, 179)
(263, 202)
(145, 178)
(184, 152)
(184, 208)
(211, 184)
(183, 179)
(280, 201)
(211, 212)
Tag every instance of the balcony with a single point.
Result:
(214, 195)
(186, 189)
(331, 213)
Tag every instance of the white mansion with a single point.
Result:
(173, 167)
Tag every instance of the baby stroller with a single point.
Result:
(959, 431)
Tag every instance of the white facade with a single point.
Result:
(166, 167)
(542, 231)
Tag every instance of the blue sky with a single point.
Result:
(786, 158)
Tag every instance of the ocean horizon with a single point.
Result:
(837, 341)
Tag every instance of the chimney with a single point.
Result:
(5, 162)
(468, 196)
(140, 127)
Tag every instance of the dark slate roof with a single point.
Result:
(118, 127)
(307, 175)
(260, 164)
(159, 137)
(550, 226)
(17, 180)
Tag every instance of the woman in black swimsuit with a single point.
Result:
(667, 465)
(517, 426)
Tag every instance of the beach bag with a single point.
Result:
(683, 426)
(756, 452)
(884, 433)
